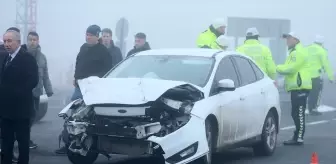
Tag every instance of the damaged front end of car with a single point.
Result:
(124, 129)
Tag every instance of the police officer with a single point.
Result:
(318, 59)
(298, 82)
(222, 43)
(209, 36)
(258, 52)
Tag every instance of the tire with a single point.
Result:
(75, 158)
(42, 111)
(269, 133)
(207, 159)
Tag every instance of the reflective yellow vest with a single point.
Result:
(296, 69)
(318, 58)
(206, 39)
(260, 54)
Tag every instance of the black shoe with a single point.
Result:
(315, 113)
(14, 159)
(32, 145)
(62, 151)
(292, 142)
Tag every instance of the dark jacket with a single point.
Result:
(115, 53)
(4, 54)
(136, 50)
(18, 80)
(44, 80)
(92, 60)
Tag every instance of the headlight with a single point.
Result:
(81, 112)
(183, 107)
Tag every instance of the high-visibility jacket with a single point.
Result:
(207, 38)
(260, 54)
(215, 46)
(318, 58)
(296, 69)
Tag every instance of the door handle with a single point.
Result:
(242, 98)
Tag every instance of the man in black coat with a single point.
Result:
(19, 77)
(93, 59)
(109, 44)
(140, 44)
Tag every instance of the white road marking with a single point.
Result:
(309, 123)
(325, 108)
(321, 108)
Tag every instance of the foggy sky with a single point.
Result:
(168, 24)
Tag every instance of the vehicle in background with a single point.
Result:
(43, 109)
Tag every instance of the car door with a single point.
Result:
(229, 106)
(251, 97)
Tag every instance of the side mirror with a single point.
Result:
(226, 85)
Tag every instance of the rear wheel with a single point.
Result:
(267, 145)
(42, 111)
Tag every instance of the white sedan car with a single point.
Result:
(180, 105)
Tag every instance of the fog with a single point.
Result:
(61, 24)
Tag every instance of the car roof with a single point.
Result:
(200, 52)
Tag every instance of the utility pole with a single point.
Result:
(26, 13)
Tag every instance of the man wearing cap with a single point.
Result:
(93, 59)
(319, 63)
(296, 70)
(208, 37)
(140, 44)
(260, 53)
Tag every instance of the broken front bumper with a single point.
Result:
(183, 145)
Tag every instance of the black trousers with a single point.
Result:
(12, 130)
(36, 101)
(315, 94)
(299, 102)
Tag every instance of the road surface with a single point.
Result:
(320, 137)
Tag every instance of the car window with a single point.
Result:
(258, 72)
(226, 70)
(247, 74)
(191, 69)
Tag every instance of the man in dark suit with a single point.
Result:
(18, 78)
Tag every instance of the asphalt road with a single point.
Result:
(320, 137)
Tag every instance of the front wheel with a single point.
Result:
(207, 159)
(267, 145)
(75, 158)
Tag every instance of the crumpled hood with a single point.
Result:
(132, 91)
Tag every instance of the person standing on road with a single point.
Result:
(93, 59)
(140, 44)
(319, 63)
(260, 53)
(3, 56)
(33, 47)
(296, 70)
(18, 79)
(109, 44)
(209, 36)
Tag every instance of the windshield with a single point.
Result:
(195, 70)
